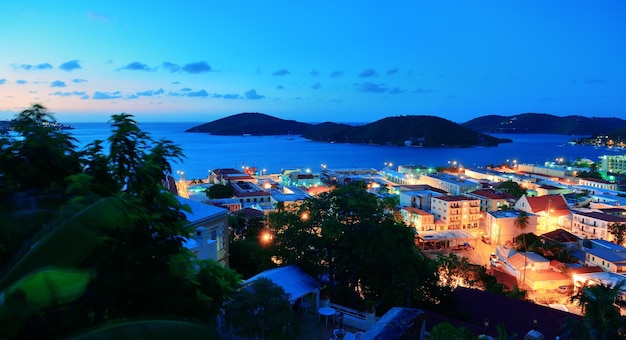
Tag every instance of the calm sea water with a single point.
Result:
(205, 152)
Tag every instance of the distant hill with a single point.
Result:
(427, 131)
(253, 124)
(545, 123)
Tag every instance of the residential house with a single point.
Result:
(534, 271)
(552, 210)
(418, 219)
(606, 255)
(418, 196)
(563, 238)
(546, 280)
(456, 212)
(594, 225)
(500, 226)
(210, 223)
(489, 199)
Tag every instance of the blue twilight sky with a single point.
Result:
(340, 61)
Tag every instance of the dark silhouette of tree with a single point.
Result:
(220, 191)
(602, 320)
(521, 222)
(512, 188)
(618, 230)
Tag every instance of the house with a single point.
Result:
(456, 212)
(594, 225)
(418, 196)
(546, 280)
(489, 199)
(562, 237)
(552, 210)
(500, 226)
(520, 263)
(418, 219)
(210, 223)
(606, 255)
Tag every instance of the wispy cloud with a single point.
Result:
(30, 67)
(2, 81)
(252, 94)
(21, 82)
(594, 81)
(150, 93)
(371, 87)
(315, 73)
(171, 66)
(368, 72)
(78, 80)
(316, 86)
(281, 72)
(100, 95)
(57, 83)
(396, 90)
(231, 96)
(70, 65)
(280, 87)
(422, 90)
(185, 89)
(201, 93)
(137, 66)
(392, 71)
(336, 74)
(98, 16)
(80, 94)
(195, 68)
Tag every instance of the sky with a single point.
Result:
(338, 61)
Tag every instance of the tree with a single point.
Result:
(220, 191)
(105, 219)
(261, 310)
(618, 230)
(446, 331)
(512, 188)
(601, 305)
(521, 222)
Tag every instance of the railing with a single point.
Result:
(354, 318)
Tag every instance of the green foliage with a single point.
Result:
(446, 331)
(512, 188)
(618, 230)
(262, 310)
(602, 319)
(220, 191)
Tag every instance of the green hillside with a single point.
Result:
(253, 124)
(545, 123)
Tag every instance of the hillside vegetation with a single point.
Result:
(253, 124)
(545, 123)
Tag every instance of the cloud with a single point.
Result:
(336, 74)
(195, 68)
(371, 87)
(253, 95)
(2, 81)
(21, 82)
(422, 90)
(131, 96)
(97, 16)
(315, 73)
(137, 66)
(231, 96)
(175, 82)
(280, 87)
(316, 86)
(29, 67)
(396, 90)
(368, 72)
(281, 72)
(594, 81)
(150, 93)
(99, 95)
(392, 71)
(78, 80)
(201, 93)
(69, 94)
(70, 65)
(171, 66)
(57, 83)
(185, 89)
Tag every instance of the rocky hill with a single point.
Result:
(545, 123)
(256, 124)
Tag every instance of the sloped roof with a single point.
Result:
(561, 236)
(291, 278)
(556, 204)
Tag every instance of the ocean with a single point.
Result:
(205, 152)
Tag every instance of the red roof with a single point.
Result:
(556, 203)
(454, 198)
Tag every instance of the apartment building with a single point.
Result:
(210, 223)
(613, 163)
(456, 212)
(489, 199)
(597, 183)
(454, 185)
(593, 224)
(417, 218)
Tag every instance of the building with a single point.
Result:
(552, 210)
(454, 185)
(456, 212)
(250, 194)
(597, 183)
(610, 260)
(210, 223)
(418, 196)
(418, 219)
(228, 175)
(489, 199)
(613, 163)
(500, 226)
(593, 224)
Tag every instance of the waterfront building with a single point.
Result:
(552, 210)
(250, 194)
(500, 226)
(228, 175)
(593, 224)
(456, 212)
(489, 199)
(454, 185)
(613, 163)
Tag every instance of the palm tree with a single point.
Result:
(521, 222)
(601, 305)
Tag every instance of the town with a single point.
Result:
(473, 213)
